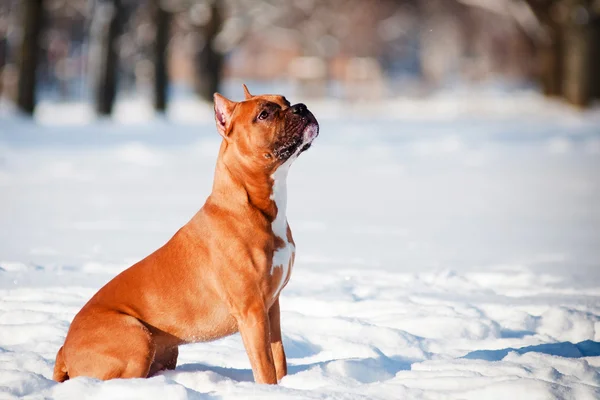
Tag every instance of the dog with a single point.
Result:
(221, 273)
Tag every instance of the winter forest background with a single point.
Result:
(83, 50)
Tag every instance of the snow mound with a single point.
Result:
(406, 338)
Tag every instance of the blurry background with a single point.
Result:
(98, 50)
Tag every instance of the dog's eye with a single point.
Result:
(263, 115)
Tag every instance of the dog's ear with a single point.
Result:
(223, 110)
(246, 92)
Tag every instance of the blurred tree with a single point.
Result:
(162, 19)
(551, 50)
(32, 12)
(3, 49)
(569, 55)
(104, 59)
(580, 63)
(209, 59)
(595, 51)
(4, 12)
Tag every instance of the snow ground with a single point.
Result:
(447, 248)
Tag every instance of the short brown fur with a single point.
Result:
(211, 279)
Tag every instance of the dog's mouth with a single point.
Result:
(297, 138)
(311, 131)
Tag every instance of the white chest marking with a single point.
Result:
(282, 257)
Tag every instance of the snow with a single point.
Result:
(448, 248)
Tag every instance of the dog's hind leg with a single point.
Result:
(115, 345)
(60, 369)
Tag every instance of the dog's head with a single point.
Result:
(265, 131)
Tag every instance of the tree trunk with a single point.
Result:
(3, 46)
(3, 56)
(161, 80)
(595, 56)
(577, 64)
(552, 53)
(104, 52)
(32, 18)
(209, 61)
(551, 62)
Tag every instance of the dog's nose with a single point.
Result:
(299, 109)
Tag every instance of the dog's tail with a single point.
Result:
(60, 368)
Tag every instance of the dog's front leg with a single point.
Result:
(276, 343)
(254, 327)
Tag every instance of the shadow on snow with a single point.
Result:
(587, 348)
(364, 370)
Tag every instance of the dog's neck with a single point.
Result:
(267, 192)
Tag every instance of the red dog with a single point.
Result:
(220, 273)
